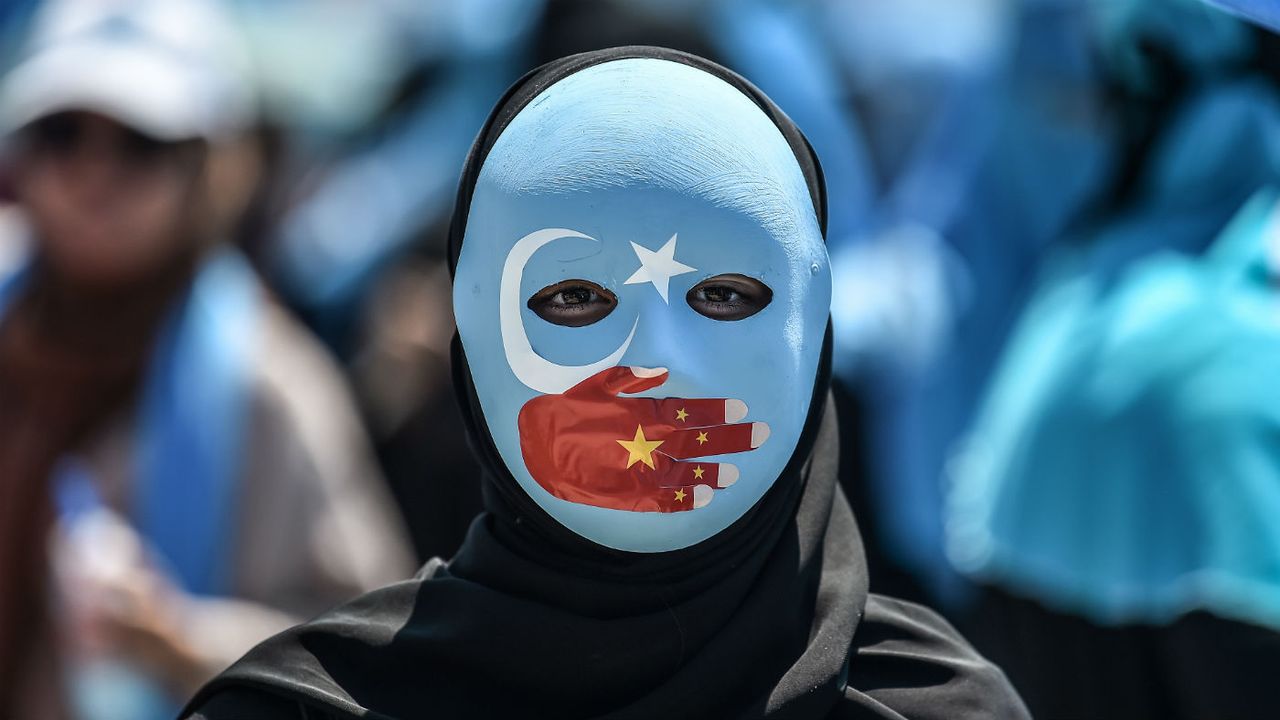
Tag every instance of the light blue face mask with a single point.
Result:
(658, 425)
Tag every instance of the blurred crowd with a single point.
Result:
(225, 322)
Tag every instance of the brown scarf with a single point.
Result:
(69, 361)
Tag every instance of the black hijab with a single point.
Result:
(532, 620)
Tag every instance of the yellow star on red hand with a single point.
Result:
(681, 414)
(680, 495)
(697, 473)
(702, 438)
(640, 449)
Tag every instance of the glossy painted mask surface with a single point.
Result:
(656, 426)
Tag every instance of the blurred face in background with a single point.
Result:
(108, 204)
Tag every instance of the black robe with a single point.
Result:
(769, 618)
(449, 644)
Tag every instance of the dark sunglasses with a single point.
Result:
(63, 134)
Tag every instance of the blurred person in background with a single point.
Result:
(1119, 491)
(181, 472)
(995, 137)
(990, 133)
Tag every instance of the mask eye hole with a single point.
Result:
(573, 303)
(729, 297)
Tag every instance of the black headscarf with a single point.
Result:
(532, 620)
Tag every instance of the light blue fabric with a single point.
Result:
(100, 687)
(192, 423)
(108, 690)
(643, 151)
(1045, 181)
(1126, 466)
(1221, 146)
(1263, 12)
(993, 179)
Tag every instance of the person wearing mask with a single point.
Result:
(181, 473)
(642, 298)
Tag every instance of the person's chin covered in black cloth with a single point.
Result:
(643, 359)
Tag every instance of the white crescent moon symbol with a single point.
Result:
(530, 368)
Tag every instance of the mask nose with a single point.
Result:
(659, 338)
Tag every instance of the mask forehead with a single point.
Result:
(606, 168)
(649, 123)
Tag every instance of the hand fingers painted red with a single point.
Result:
(590, 446)
(718, 440)
(677, 473)
(699, 412)
(622, 379)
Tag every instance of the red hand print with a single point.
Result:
(590, 446)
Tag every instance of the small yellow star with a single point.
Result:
(702, 438)
(697, 472)
(680, 496)
(681, 414)
(640, 449)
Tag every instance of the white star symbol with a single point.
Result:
(658, 266)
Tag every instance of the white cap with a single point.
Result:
(167, 68)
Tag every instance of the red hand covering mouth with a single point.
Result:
(592, 447)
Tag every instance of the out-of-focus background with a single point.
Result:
(225, 396)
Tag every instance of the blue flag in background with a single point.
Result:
(1262, 12)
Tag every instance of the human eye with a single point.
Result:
(729, 297)
(573, 303)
